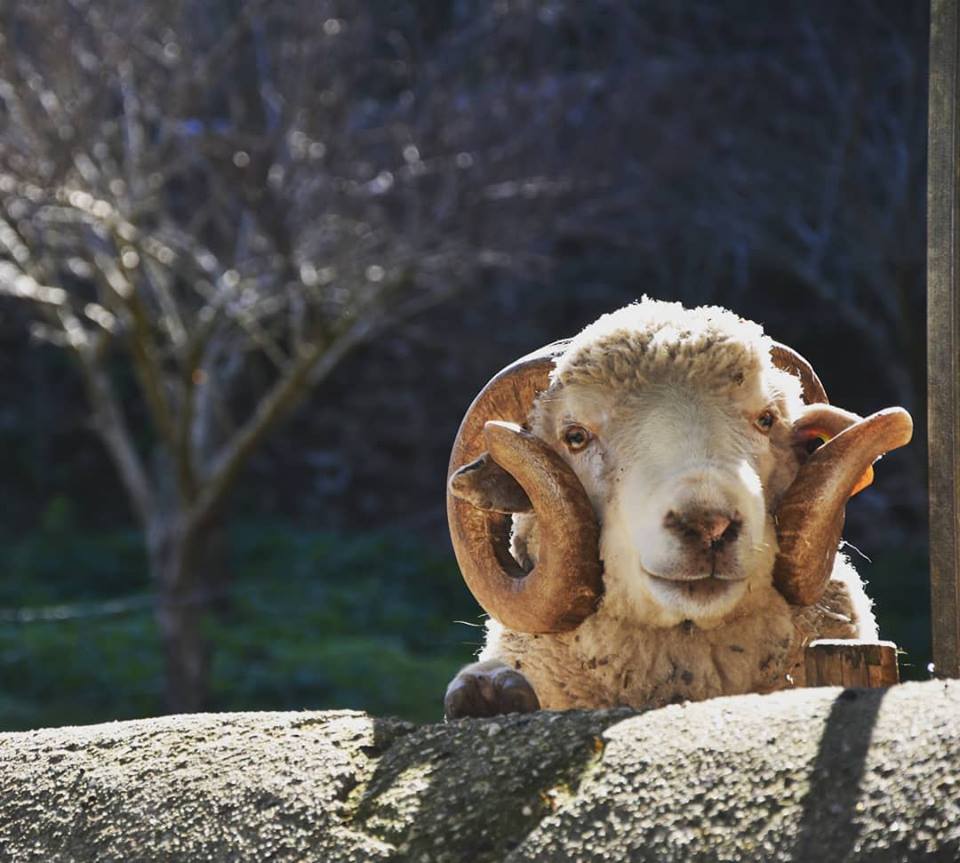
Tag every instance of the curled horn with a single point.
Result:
(566, 583)
(520, 472)
(811, 514)
(788, 360)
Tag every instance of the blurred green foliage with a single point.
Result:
(314, 621)
(58, 562)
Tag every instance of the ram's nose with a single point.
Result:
(709, 529)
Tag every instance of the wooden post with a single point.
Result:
(847, 662)
(943, 336)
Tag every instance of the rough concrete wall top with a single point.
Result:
(817, 774)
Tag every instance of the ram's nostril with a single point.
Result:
(731, 533)
(671, 521)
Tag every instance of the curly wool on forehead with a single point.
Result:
(653, 341)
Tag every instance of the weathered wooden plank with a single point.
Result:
(852, 663)
(943, 337)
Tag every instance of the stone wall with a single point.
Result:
(816, 774)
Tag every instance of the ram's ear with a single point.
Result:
(487, 486)
(818, 424)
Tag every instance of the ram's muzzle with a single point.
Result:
(497, 468)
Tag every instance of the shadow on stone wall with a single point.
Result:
(831, 802)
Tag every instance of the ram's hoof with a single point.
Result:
(489, 693)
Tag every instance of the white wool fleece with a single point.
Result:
(655, 383)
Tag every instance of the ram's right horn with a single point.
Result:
(496, 468)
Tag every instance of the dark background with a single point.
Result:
(766, 157)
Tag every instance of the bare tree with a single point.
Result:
(226, 199)
(210, 204)
(785, 143)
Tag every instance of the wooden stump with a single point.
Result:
(842, 662)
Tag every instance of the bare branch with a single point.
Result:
(108, 418)
(144, 354)
(287, 391)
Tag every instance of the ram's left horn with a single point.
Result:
(563, 589)
(810, 516)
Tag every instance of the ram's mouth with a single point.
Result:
(704, 588)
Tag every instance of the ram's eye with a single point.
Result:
(765, 421)
(576, 438)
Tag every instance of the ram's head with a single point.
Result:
(689, 464)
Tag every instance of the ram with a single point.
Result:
(651, 512)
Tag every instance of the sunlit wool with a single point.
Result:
(670, 396)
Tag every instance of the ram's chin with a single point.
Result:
(701, 599)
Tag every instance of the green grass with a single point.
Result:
(316, 621)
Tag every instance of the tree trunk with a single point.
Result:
(184, 595)
(186, 653)
(214, 558)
